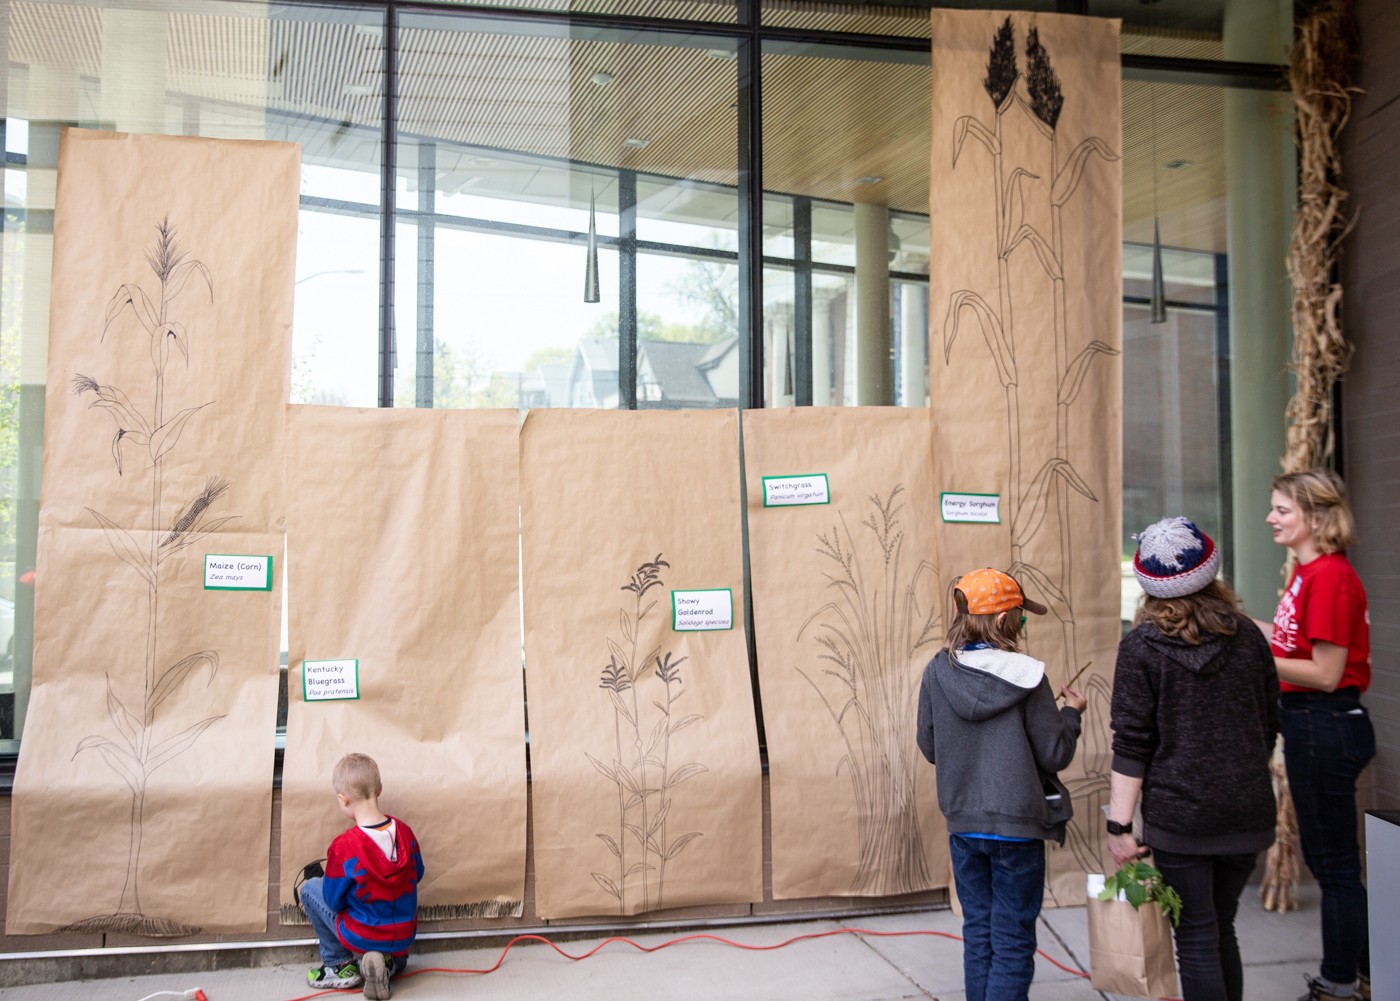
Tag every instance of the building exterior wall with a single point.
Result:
(1370, 403)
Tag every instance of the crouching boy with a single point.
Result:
(365, 908)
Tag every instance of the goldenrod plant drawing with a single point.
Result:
(145, 740)
(876, 635)
(642, 770)
(1038, 486)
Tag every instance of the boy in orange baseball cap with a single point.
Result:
(988, 720)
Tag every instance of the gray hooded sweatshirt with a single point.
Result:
(988, 720)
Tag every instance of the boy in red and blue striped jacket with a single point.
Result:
(366, 905)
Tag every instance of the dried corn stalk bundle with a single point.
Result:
(1279, 889)
(1319, 73)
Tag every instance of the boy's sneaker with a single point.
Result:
(375, 968)
(347, 974)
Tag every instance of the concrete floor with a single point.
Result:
(905, 957)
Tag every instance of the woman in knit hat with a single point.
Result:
(1194, 717)
(1321, 640)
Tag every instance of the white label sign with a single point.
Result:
(232, 572)
(330, 680)
(789, 491)
(984, 508)
(700, 611)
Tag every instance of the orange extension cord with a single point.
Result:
(686, 938)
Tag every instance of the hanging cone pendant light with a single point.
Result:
(1159, 288)
(590, 270)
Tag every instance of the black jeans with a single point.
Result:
(1327, 740)
(1207, 952)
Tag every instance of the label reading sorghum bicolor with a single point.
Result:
(981, 508)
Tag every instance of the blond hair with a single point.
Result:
(356, 776)
(1321, 498)
(1213, 610)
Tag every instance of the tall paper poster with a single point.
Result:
(846, 614)
(404, 642)
(643, 743)
(151, 725)
(1025, 334)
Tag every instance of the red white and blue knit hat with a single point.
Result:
(1174, 558)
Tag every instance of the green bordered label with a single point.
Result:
(983, 509)
(330, 680)
(702, 611)
(237, 572)
(796, 491)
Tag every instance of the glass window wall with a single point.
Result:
(532, 152)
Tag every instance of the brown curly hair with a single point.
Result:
(1213, 610)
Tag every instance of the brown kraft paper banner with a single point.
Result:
(403, 543)
(643, 746)
(150, 732)
(846, 614)
(1025, 332)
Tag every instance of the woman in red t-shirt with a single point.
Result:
(1321, 640)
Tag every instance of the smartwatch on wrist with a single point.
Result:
(1116, 828)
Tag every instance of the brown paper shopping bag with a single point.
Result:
(1130, 950)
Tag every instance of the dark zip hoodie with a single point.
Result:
(1197, 722)
(988, 720)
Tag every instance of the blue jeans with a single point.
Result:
(1000, 886)
(1327, 741)
(1207, 952)
(322, 918)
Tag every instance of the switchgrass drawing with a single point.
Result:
(876, 634)
(145, 741)
(1043, 497)
(642, 770)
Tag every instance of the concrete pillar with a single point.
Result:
(874, 385)
(1259, 157)
(913, 344)
(133, 70)
(821, 346)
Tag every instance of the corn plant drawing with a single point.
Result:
(145, 741)
(876, 637)
(642, 770)
(1041, 498)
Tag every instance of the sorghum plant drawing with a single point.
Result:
(876, 635)
(1041, 497)
(642, 769)
(145, 741)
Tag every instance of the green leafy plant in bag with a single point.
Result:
(1140, 882)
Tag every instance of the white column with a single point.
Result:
(874, 385)
(1261, 185)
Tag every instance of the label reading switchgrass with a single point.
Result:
(981, 508)
(330, 680)
(791, 491)
(701, 611)
(234, 572)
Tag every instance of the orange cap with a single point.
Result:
(990, 591)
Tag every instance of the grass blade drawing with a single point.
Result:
(1040, 488)
(144, 439)
(875, 633)
(642, 771)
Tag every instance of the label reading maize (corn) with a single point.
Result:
(980, 508)
(701, 611)
(234, 572)
(791, 491)
(330, 680)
